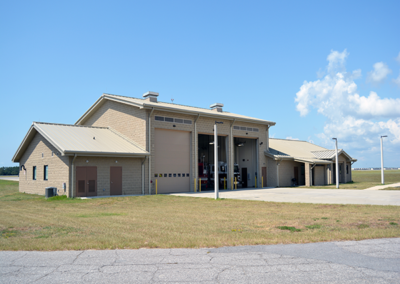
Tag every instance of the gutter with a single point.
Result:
(143, 174)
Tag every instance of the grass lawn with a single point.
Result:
(366, 179)
(30, 222)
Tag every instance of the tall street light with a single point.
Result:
(337, 164)
(382, 174)
(216, 174)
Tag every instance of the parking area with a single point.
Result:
(307, 195)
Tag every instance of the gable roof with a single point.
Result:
(82, 140)
(171, 107)
(302, 151)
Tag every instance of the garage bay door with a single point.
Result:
(172, 160)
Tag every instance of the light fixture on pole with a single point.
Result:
(337, 164)
(382, 174)
(216, 174)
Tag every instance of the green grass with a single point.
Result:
(365, 179)
(30, 222)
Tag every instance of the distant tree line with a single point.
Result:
(9, 171)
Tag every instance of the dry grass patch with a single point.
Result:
(30, 222)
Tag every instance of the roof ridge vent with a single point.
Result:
(151, 96)
(217, 107)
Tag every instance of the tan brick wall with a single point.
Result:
(131, 173)
(272, 180)
(286, 172)
(58, 169)
(128, 120)
(319, 175)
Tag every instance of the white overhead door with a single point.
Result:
(172, 160)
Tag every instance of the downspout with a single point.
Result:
(196, 171)
(143, 174)
(231, 158)
(149, 143)
(277, 172)
(73, 176)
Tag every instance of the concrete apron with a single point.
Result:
(307, 195)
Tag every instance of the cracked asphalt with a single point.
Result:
(367, 261)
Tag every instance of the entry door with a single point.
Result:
(115, 180)
(244, 177)
(86, 181)
(296, 175)
(264, 175)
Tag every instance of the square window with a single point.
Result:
(165, 175)
(174, 175)
(155, 175)
(160, 175)
(34, 173)
(183, 175)
(179, 175)
(169, 175)
(187, 175)
(46, 172)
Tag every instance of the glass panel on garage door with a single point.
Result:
(172, 160)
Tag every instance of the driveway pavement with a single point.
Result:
(307, 195)
(368, 261)
(13, 178)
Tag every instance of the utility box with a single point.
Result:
(51, 191)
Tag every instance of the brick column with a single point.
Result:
(307, 173)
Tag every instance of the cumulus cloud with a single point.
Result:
(291, 138)
(356, 120)
(381, 70)
(397, 81)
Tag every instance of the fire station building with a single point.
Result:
(125, 146)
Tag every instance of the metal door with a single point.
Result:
(296, 175)
(172, 161)
(86, 181)
(244, 177)
(115, 180)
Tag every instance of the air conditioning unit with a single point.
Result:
(51, 191)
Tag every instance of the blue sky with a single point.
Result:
(319, 69)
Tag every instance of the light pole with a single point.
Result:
(337, 164)
(382, 174)
(216, 174)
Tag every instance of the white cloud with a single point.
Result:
(398, 58)
(357, 121)
(381, 70)
(397, 80)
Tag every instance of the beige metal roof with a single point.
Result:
(301, 151)
(143, 103)
(327, 154)
(82, 140)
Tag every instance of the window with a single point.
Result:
(46, 172)
(34, 173)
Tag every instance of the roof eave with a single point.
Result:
(206, 114)
(106, 154)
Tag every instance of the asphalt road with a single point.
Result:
(307, 195)
(368, 261)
